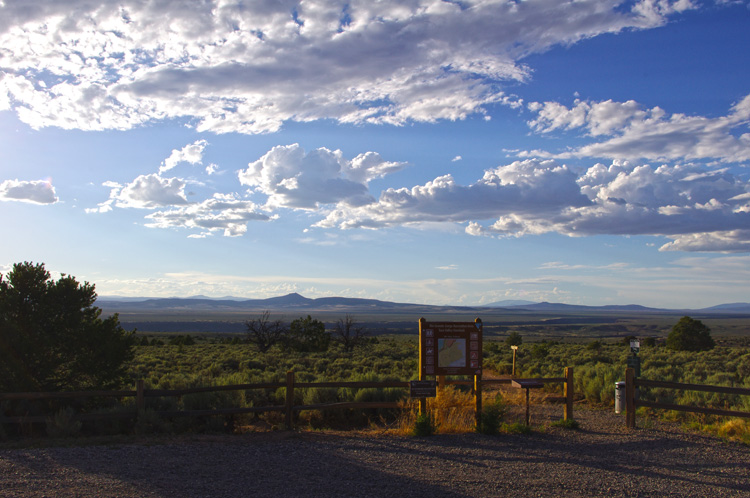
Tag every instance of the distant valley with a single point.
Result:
(297, 302)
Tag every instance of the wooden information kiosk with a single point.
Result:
(451, 348)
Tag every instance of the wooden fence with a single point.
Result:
(140, 393)
(632, 402)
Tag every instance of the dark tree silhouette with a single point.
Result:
(307, 335)
(52, 337)
(349, 332)
(514, 339)
(690, 335)
(263, 332)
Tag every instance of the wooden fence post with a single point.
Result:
(630, 398)
(568, 393)
(289, 417)
(478, 398)
(140, 399)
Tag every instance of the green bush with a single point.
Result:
(570, 423)
(492, 416)
(64, 423)
(424, 426)
(149, 422)
(109, 426)
(690, 335)
(515, 428)
(52, 336)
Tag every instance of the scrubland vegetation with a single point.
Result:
(182, 361)
(344, 352)
(55, 339)
(597, 366)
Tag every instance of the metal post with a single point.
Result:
(289, 416)
(140, 399)
(422, 401)
(527, 407)
(478, 399)
(630, 398)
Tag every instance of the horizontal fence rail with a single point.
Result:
(66, 394)
(140, 393)
(693, 387)
(632, 401)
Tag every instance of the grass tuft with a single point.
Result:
(424, 426)
(515, 428)
(571, 423)
(64, 423)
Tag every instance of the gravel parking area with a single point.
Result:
(602, 458)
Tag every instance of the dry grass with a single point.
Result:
(453, 412)
(734, 430)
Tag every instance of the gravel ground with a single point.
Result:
(602, 458)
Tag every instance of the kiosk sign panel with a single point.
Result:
(450, 348)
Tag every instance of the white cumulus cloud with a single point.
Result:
(624, 130)
(192, 153)
(33, 192)
(293, 178)
(232, 66)
(523, 186)
(700, 209)
(145, 192)
(222, 212)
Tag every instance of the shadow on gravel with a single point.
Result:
(553, 464)
(639, 464)
(296, 466)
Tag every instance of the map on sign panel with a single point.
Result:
(451, 353)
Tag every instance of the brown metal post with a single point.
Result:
(527, 407)
(422, 401)
(140, 399)
(478, 398)
(630, 398)
(288, 419)
(568, 393)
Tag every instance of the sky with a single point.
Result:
(441, 152)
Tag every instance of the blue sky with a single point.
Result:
(588, 152)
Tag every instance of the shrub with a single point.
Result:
(64, 423)
(53, 337)
(735, 430)
(690, 335)
(424, 426)
(492, 416)
(570, 423)
(149, 422)
(307, 335)
(514, 339)
(515, 428)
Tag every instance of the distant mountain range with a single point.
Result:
(295, 301)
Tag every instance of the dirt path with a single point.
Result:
(601, 459)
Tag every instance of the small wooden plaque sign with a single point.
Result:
(423, 388)
(526, 383)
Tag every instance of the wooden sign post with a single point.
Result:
(451, 348)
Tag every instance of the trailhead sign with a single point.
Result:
(450, 348)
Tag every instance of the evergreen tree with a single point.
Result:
(690, 335)
(52, 337)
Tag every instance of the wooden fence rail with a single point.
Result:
(631, 401)
(140, 393)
